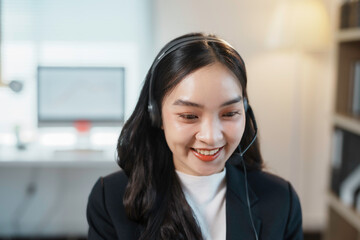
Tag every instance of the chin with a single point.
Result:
(209, 170)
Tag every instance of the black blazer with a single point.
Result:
(275, 208)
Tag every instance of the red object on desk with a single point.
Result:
(82, 126)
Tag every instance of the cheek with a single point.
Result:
(235, 131)
(170, 124)
(175, 132)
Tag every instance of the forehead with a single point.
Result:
(209, 83)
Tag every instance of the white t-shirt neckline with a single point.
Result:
(206, 197)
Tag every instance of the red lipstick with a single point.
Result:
(206, 158)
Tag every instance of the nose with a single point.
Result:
(210, 132)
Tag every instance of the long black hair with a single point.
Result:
(153, 196)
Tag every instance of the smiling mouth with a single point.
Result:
(206, 155)
(207, 152)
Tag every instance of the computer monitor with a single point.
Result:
(67, 95)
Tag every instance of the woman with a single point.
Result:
(191, 164)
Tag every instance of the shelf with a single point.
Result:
(343, 219)
(351, 34)
(346, 212)
(347, 123)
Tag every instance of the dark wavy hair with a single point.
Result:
(153, 196)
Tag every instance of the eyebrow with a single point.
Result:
(235, 100)
(180, 102)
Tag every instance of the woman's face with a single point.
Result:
(203, 120)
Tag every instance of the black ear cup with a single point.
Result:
(246, 104)
(154, 114)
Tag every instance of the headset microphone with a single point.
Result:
(249, 111)
(241, 155)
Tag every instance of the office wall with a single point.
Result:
(290, 91)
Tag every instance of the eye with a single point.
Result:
(188, 116)
(231, 114)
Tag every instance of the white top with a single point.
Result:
(206, 197)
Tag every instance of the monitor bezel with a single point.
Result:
(103, 122)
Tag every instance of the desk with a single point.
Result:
(43, 191)
(57, 157)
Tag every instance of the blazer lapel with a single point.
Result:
(238, 223)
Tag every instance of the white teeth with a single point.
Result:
(207, 153)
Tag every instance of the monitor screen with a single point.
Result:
(70, 94)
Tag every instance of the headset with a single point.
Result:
(154, 112)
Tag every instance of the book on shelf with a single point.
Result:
(349, 188)
(356, 204)
(350, 14)
(355, 106)
(337, 148)
(345, 180)
(337, 143)
(354, 14)
(344, 14)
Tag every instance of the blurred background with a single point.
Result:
(71, 72)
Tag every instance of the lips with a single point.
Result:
(206, 155)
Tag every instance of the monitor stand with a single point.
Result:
(83, 135)
(83, 147)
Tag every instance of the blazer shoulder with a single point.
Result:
(110, 187)
(113, 187)
(278, 196)
(115, 181)
(106, 212)
(99, 212)
(107, 193)
(265, 182)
